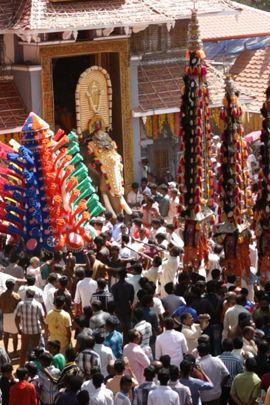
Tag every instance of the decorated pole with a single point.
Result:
(195, 143)
(262, 206)
(234, 189)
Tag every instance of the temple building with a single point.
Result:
(120, 62)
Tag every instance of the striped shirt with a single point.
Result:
(30, 312)
(46, 383)
(233, 364)
(86, 360)
(182, 391)
(145, 329)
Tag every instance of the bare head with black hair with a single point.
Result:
(22, 373)
(163, 376)
(126, 383)
(10, 284)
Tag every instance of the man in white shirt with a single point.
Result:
(102, 395)
(134, 278)
(192, 331)
(173, 236)
(30, 282)
(153, 272)
(215, 370)
(163, 394)
(118, 228)
(105, 353)
(107, 226)
(156, 228)
(134, 197)
(214, 258)
(34, 270)
(125, 253)
(158, 308)
(88, 384)
(169, 270)
(232, 314)
(174, 206)
(49, 290)
(172, 343)
(84, 290)
(145, 190)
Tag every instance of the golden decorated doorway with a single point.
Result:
(112, 56)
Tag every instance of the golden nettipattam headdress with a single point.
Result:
(94, 101)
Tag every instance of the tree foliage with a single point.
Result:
(261, 4)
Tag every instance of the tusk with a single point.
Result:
(125, 206)
(108, 204)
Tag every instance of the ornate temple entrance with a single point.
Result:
(161, 148)
(110, 55)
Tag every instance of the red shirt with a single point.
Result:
(22, 393)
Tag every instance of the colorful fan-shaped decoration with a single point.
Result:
(47, 196)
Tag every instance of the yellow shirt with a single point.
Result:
(58, 321)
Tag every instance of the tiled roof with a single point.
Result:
(9, 10)
(247, 23)
(236, 21)
(252, 72)
(12, 109)
(160, 87)
(43, 15)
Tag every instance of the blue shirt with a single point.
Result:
(195, 385)
(142, 391)
(233, 364)
(185, 308)
(115, 341)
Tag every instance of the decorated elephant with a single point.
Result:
(108, 163)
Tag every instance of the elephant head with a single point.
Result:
(104, 151)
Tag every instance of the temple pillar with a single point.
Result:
(27, 80)
(135, 121)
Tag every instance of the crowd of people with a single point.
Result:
(122, 323)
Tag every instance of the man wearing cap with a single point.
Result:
(8, 303)
(29, 319)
